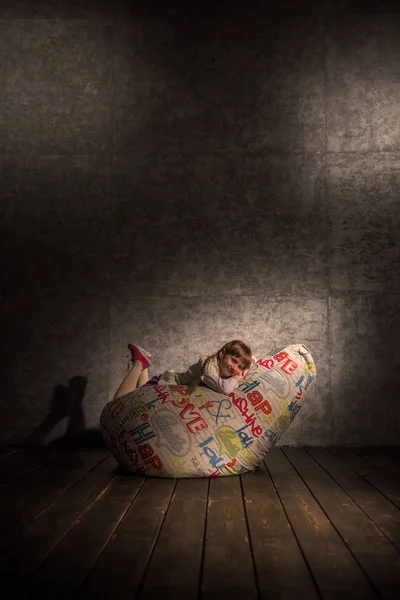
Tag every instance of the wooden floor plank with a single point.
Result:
(275, 548)
(299, 529)
(18, 464)
(380, 510)
(13, 459)
(27, 551)
(174, 568)
(63, 572)
(387, 485)
(371, 548)
(6, 450)
(228, 565)
(335, 570)
(381, 458)
(24, 501)
(52, 461)
(121, 566)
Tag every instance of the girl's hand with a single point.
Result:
(241, 376)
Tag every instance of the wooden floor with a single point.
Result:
(311, 523)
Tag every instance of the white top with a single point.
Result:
(210, 378)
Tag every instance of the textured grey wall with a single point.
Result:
(179, 179)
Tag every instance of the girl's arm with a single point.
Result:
(223, 386)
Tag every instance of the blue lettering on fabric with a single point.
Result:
(293, 409)
(246, 439)
(220, 404)
(310, 379)
(139, 431)
(249, 386)
(216, 461)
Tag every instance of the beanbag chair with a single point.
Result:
(159, 430)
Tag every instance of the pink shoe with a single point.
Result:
(138, 354)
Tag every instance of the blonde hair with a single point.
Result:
(235, 348)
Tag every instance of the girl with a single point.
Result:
(221, 371)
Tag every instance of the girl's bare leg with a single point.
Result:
(130, 382)
(143, 378)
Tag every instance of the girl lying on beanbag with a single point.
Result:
(221, 372)
(219, 417)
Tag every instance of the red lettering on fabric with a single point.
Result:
(159, 390)
(145, 451)
(289, 367)
(256, 430)
(215, 473)
(243, 407)
(257, 401)
(156, 462)
(265, 407)
(280, 356)
(268, 363)
(240, 403)
(182, 402)
(255, 397)
(197, 425)
(188, 411)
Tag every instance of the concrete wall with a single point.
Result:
(185, 177)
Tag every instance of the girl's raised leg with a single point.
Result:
(131, 381)
(144, 377)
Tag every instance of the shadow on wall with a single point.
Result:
(66, 403)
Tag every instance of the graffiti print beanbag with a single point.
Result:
(159, 430)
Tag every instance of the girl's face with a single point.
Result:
(229, 365)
